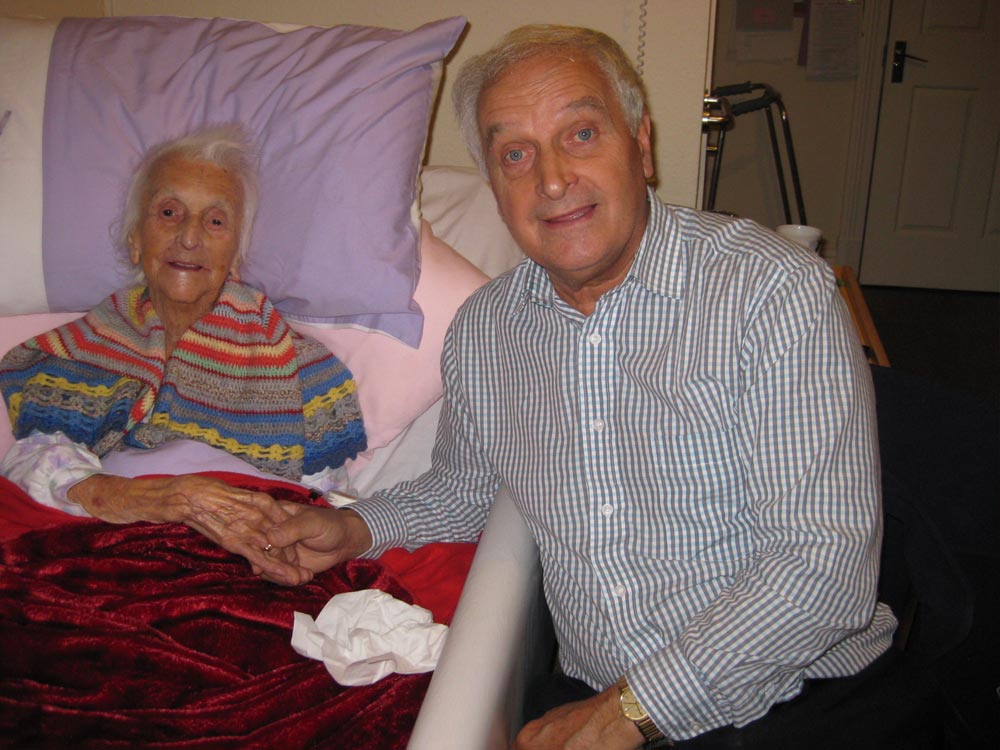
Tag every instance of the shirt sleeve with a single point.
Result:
(450, 501)
(809, 456)
(46, 466)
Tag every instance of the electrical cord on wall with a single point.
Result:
(640, 56)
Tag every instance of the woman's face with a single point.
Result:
(187, 239)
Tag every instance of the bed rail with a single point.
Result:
(500, 636)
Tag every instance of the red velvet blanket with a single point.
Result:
(151, 636)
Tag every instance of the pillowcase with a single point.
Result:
(340, 115)
(396, 383)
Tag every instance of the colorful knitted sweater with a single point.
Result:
(239, 379)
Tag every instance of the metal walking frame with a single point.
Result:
(721, 109)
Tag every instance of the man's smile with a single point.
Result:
(569, 217)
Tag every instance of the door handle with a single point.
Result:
(899, 58)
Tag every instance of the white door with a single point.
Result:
(934, 206)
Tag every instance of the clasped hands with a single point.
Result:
(310, 540)
(286, 543)
(289, 543)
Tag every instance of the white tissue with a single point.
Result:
(362, 636)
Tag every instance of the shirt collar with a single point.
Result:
(659, 266)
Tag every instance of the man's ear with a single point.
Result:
(644, 137)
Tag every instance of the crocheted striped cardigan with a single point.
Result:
(239, 379)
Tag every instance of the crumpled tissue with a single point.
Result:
(363, 636)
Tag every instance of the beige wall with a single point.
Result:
(677, 34)
(819, 113)
(51, 8)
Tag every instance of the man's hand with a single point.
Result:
(235, 519)
(317, 538)
(593, 724)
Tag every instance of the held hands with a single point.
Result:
(285, 543)
(318, 538)
(235, 519)
(593, 724)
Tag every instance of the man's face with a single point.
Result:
(569, 178)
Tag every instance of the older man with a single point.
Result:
(679, 406)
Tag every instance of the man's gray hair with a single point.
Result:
(482, 71)
(227, 147)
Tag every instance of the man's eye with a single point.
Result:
(167, 213)
(585, 134)
(515, 155)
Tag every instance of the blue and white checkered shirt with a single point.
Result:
(696, 460)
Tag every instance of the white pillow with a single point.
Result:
(24, 64)
(459, 204)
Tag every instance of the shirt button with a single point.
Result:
(595, 339)
(620, 590)
(607, 509)
(597, 425)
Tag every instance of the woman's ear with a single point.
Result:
(234, 270)
(134, 251)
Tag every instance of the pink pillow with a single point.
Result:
(396, 383)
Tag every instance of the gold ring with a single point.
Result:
(269, 547)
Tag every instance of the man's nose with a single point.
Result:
(555, 174)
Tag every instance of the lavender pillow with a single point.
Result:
(340, 115)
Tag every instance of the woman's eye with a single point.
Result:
(170, 212)
(515, 155)
(216, 219)
(585, 134)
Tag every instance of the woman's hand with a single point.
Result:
(235, 519)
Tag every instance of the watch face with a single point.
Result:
(631, 707)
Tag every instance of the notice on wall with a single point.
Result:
(762, 31)
(764, 15)
(833, 39)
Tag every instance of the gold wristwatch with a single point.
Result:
(633, 711)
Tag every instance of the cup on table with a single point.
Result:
(801, 234)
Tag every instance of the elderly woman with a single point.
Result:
(187, 353)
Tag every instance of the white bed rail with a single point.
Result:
(499, 637)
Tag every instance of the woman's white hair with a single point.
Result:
(482, 71)
(227, 146)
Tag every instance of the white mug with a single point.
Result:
(801, 234)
